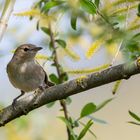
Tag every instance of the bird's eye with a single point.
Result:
(26, 49)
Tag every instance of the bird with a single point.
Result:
(25, 73)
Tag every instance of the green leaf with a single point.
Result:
(97, 2)
(49, 105)
(73, 20)
(52, 4)
(85, 130)
(61, 42)
(138, 14)
(139, 8)
(87, 110)
(88, 129)
(133, 115)
(69, 127)
(100, 106)
(64, 76)
(68, 100)
(37, 26)
(131, 46)
(45, 30)
(88, 6)
(54, 78)
(134, 123)
(97, 120)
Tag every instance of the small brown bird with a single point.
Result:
(25, 73)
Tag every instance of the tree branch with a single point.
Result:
(8, 8)
(58, 92)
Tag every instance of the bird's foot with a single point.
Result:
(37, 94)
(14, 104)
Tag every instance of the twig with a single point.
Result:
(120, 45)
(62, 102)
(8, 8)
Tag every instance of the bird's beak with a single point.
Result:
(37, 48)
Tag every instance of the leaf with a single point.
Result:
(68, 100)
(37, 26)
(54, 78)
(88, 129)
(30, 13)
(61, 42)
(45, 30)
(87, 110)
(71, 54)
(134, 123)
(116, 86)
(7, 3)
(69, 127)
(100, 106)
(91, 70)
(42, 56)
(49, 105)
(85, 130)
(131, 47)
(88, 6)
(94, 47)
(64, 76)
(52, 4)
(97, 2)
(73, 20)
(139, 9)
(97, 120)
(133, 115)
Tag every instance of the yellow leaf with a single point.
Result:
(93, 48)
(116, 86)
(121, 10)
(32, 12)
(112, 48)
(44, 19)
(85, 71)
(71, 53)
(41, 56)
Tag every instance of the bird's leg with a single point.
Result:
(38, 92)
(41, 89)
(15, 100)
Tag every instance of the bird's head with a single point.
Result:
(26, 52)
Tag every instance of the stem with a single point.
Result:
(62, 102)
(105, 19)
(120, 45)
(8, 8)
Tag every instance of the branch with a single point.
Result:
(62, 91)
(8, 8)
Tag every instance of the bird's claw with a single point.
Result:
(14, 104)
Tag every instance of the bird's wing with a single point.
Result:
(46, 81)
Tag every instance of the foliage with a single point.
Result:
(86, 112)
(134, 116)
